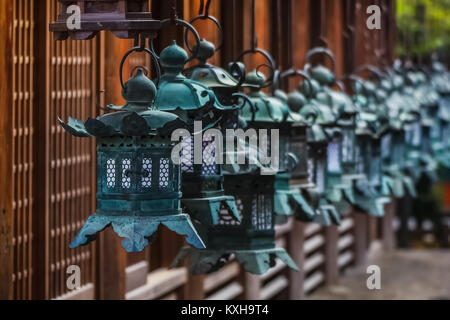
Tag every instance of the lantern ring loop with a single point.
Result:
(269, 59)
(321, 50)
(140, 49)
(356, 79)
(246, 99)
(205, 17)
(294, 72)
(191, 28)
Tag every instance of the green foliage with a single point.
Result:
(423, 27)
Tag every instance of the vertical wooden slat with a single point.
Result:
(251, 284)
(331, 255)
(6, 148)
(388, 233)
(296, 250)
(41, 206)
(360, 234)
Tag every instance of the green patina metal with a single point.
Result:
(250, 240)
(397, 179)
(440, 80)
(371, 127)
(202, 186)
(319, 118)
(339, 121)
(272, 112)
(138, 184)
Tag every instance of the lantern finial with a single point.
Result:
(173, 58)
(139, 91)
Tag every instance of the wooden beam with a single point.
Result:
(6, 148)
(113, 258)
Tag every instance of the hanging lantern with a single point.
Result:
(127, 19)
(319, 180)
(341, 151)
(202, 187)
(441, 83)
(371, 128)
(251, 241)
(418, 162)
(266, 112)
(138, 184)
(395, 180)
(304, 135)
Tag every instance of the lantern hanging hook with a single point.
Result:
(320, 50)
(294, 72)
(373, 70)
(187, 25)
(356, 79)
(140, 49)
(271, 63)
(205, 16)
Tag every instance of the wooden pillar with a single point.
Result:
(296, 250)
(113, 258)
(194, 288)
(360, 233)
(403, 208)
(6, 140)
(251, 284)
(331, 255)
(388, 232)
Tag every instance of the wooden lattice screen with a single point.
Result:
(53, 172)
(23, 87)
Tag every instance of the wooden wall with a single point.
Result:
(49, 188)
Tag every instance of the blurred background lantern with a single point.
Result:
(138, 184)
(298, 181)
(370, 130)
(341, 132)
(251, 241)
(202, 186)
(304, 101)
(440, 80)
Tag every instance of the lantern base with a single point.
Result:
(207, 210)
(254, 261)
(396, 183)
(137, 230)
(339, 192)
(289, 202)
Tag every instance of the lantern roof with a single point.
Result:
(136, 118)
(176, 92)
(263, 107)
(208, 74)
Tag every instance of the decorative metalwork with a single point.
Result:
(138, 184)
